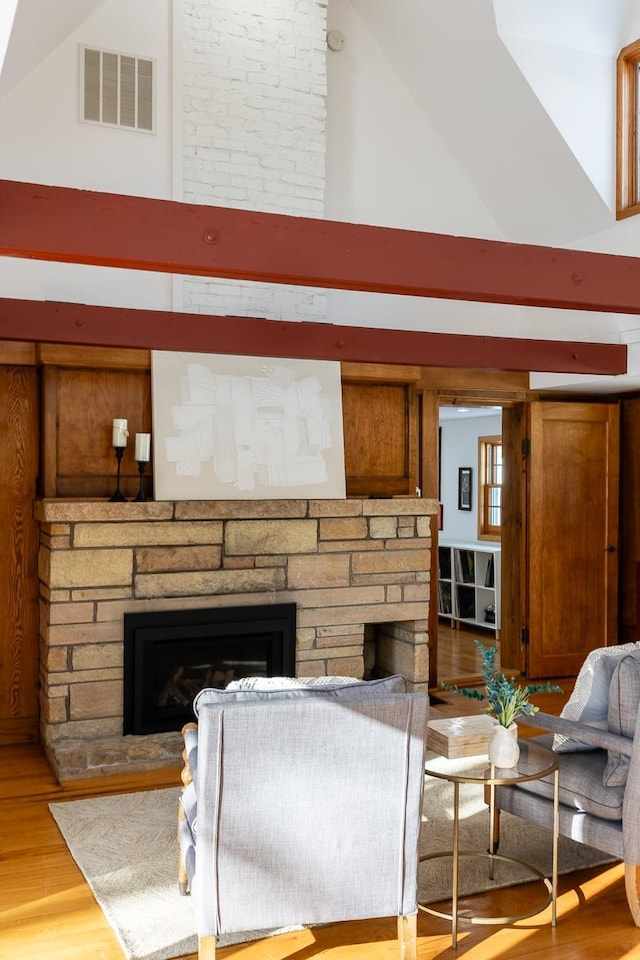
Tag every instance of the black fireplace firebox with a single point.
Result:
(170, 656)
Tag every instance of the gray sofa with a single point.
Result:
(302, 805)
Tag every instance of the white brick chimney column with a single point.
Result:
(254, 112)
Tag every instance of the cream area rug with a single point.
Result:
(125, 846)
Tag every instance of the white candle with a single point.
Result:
(120, 433)
(143, 447)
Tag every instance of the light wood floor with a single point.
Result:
(48, 912)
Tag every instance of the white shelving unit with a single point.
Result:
(469, 583)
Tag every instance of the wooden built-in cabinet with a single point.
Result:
(380, 422)
(83, 391)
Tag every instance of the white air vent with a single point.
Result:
(117, 90)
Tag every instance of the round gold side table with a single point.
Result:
(535, 762)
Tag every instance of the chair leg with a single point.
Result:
(407, 937)
(632, 887)
(206, 948)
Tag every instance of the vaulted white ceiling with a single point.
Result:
(31, 29)
(521, 93)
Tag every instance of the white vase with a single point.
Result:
(503, 746)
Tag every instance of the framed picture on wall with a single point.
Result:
(464, 488)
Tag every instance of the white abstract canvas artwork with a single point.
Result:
(243, 428)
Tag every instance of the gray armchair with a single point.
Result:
(599, 762)
(303, 806)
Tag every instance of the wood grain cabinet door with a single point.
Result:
(380, 438)
(573, 534)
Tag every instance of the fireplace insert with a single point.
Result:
(170, 656)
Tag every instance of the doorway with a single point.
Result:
(469, 539)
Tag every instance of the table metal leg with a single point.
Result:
(492, 822)
(455, 857)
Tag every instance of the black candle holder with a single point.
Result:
(118, 495)
(141, 468)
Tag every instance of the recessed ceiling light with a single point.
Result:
(462, 410)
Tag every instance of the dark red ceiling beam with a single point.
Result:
(78, 226)
(75, 323)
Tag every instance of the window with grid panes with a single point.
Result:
(490, 488)
(628, 131)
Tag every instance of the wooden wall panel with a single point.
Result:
(80, 404)
(19, 442)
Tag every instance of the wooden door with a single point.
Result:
(572, 534)
(514, 563)
(18, 549)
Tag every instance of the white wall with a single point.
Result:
(459, 448)
(44, 141)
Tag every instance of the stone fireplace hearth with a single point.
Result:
(357, 570)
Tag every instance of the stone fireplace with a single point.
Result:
(358, 572)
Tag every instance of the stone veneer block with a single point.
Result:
(339, 597)
(414, 544)
(74, 633)
(383, 527)
(59, 529)
(390, 560)
(77, 677)
(93, 511)
(346, 667)
(335, 508)
(107, 593)
(416, 591)
(246, 509)
(271, 536)
(239, 563)
(336, 652)
(398, 506)
(164, 559)
(341, 641)
(55, 659)
(55, 709)
(348, 546)
(355, 629)
(323, 570)
(423, 526)
(209, 582)
(145, 534)
(87, 729)
(67, 612)
(89, 701)
(97, 656)
(90, 568)
(360, 613)
(343, 528)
